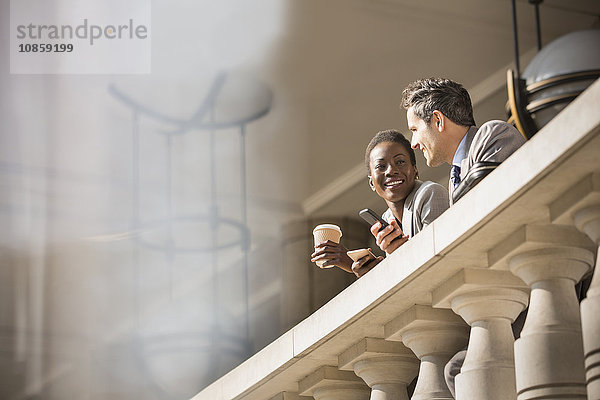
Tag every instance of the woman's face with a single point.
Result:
(392, 174)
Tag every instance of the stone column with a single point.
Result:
(329, 383)
(387, 367)
(434, 335)
(549, 353)
(580, 206)
(489, 301)
(588, 220)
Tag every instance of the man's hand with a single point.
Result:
(365, 264)
(334, 254)
(389, 238)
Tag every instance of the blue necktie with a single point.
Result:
(455, 175)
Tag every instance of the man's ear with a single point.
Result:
(439, 120)
(371, 183)
(416, 172)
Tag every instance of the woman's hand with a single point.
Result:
(334, 254)
(389, 238)
(365, 264)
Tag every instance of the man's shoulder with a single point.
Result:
(494, 141)
(431, 191)
(429, 186)
(496, 128)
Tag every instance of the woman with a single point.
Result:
(412, 204)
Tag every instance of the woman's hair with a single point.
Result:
(389, 135)
(449, 97)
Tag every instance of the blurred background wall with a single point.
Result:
(145, 254)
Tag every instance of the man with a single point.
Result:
(440, 117)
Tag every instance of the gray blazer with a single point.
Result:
(427, 201)
(494, 141)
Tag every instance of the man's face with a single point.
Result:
(425, 138)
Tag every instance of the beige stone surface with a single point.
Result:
(331, 383)
(387, 367)
(371, 348)
(587, 219)
(580, 206)
(533, 237)
(489, 301)
(289, 396)
(581, 195)
(549, 357)
(473, 280)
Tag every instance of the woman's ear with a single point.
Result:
(371, 183)
(416, 172)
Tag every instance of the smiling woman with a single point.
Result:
(412, 204)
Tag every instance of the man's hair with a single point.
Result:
(450, 98)
(389, 135)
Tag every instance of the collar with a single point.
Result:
(461, 150)
(410, 199)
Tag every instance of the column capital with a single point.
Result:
(583, 194)
(489, 301)
(477, 294)
(378, 361)
(289, 396)
(587, 220)
(427, 330)
(434, 335)
(372, 348)
(329, 383)
(552, 262)
(535, 237)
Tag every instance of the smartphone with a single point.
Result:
(356, 255)
(371, 217)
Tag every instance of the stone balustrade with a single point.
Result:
(580, 206)
(524, 237)
(489, 301)
(434, 335)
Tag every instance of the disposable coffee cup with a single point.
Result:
(323, 233)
